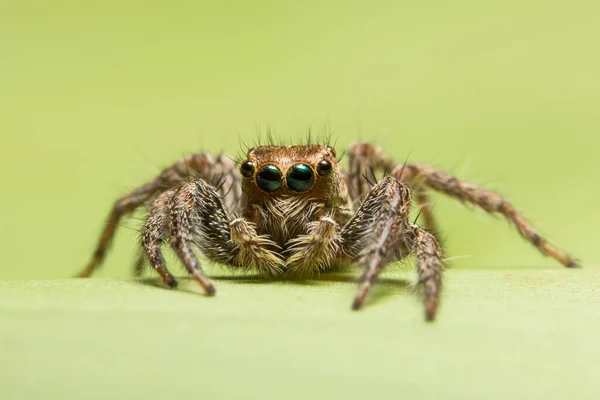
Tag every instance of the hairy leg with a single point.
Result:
(366, 156)
(364, 160)
(382, 229)
(195, 216)
(375, 232)
(155, 231)
(183, 223)
(426, 211)
(203, 165)
(429, 268)
(489, 201)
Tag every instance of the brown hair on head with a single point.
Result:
(290, 170)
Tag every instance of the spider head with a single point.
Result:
(290, 171)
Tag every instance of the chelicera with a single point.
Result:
(293, 210)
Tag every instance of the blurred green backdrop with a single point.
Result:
(97, 96)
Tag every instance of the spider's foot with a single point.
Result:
(359, 299)
(361, 295)
(430, 310)
(208, 287)
(172, 283)
(210, 290)
(87, 271)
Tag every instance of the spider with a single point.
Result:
(293, 210)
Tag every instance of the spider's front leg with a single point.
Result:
(380, 232)
(200, 165)
(192, 214)
(195, 216)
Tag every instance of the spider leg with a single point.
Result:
(429, 268)
(184, 218)
(487, 200)
(426, 211)
(192, 215)
(366, 159)
(366, 155)
(389, 227)
(203, 165)
(155, 231)
(195, 216)
(380, 233)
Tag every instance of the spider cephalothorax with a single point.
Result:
(293, 210)
(285, 188)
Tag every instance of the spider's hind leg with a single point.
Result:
(487, 200)
(366, 156)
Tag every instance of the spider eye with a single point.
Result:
(269, 178)
(247, 169)
(300, 178)
(324, 168)
(331, 150)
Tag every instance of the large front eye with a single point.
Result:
(300, 178)
(269, 178)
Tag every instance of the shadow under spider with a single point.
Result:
(384, 288)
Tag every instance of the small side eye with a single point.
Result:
(331, 150)
(324, 168)
(247, 169)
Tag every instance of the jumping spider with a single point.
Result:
(293, 210)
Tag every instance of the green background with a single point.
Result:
(96, 97)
